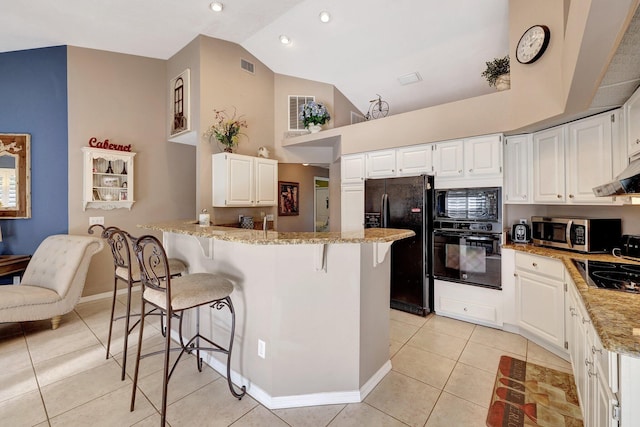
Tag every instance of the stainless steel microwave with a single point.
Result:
(577, 234)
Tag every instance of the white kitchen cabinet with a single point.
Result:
(448, 159)
(108, 179)
(381, 164)
(352, 207)
(589, 158)
(416, 160)
(539, 295)
(517, 169)
(469, 303)
(632, 120)
(569, 160)
(352, 168)
(483, 156)
(595, 369)
(549, 166)
(240, 180)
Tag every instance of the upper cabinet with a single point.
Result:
(352, 168)
(240, 180)
(632, 115)
(107, 179)
(471, 162)
(448, 159)
(569, 160)
(415, 160)
(381, 164)
(517, 169)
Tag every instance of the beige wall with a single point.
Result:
(304, 175)
(342, 109)
(123, 98)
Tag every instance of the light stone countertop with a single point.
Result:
(258, 237)
(614, 314)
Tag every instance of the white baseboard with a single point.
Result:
(296, 401)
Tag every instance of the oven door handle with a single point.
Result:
(567, 233)
(448, 234)
(480, 238)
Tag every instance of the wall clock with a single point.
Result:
(532, 44)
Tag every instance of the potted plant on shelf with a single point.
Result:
(314, 115)
(497, 73)
(226, 129)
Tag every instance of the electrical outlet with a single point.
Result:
(261, 349)
(96, 220)
(270, 217)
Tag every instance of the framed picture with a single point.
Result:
(123, 195)
(289, 198)
(179, 98)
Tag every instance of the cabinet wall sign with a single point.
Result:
(179, 98)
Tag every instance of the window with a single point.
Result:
(295, 104)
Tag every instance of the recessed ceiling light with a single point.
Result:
(216, 6)
(284, 39)
(325, 16)
(305, 164)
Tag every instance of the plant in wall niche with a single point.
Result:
(313, 115)
(226, 129)
(496, 72)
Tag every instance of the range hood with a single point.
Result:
(627, 183)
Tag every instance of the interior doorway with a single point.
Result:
(321, 204)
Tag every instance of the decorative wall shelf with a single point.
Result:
(108, 179)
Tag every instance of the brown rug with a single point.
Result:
(526, 394)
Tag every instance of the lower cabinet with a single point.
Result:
(352, 207)
(539, 286)
(595, 369)
(470, 303)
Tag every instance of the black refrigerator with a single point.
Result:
(406, 203)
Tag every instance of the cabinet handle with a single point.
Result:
(535, 265)
(459, 170)
(587, 362)
(586, 320)
(392, 170)
(515, 274)
(592, 374)
(559, 196)
(573, 311)
(571, 196)
(594, 350)
(637, 141)
(398, 170)
(465, 309)
(470, 170)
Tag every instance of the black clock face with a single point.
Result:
(532, 44)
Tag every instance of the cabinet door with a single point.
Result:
(540, 307)
(632, 120)
(352, 207)
(352, 169)
(589, 159)
(603, 402)
(414, 160)
(381, 164)
(448, 160)
(266, 182)
(483, 155)
(549, 166)
(517, 155)
(240, 180)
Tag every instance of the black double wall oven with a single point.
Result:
(467, 236)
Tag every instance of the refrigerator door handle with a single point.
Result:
(384, 209)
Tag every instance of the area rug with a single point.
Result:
(526, 394)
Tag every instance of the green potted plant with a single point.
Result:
(497, 73)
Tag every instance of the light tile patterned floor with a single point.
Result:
(443, 374)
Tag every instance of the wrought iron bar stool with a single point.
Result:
(175, 295)
(128, 272)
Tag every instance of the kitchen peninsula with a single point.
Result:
(312, 309)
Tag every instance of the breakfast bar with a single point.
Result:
(312, 309)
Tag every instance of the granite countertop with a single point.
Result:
(615, 315)
(258, 237)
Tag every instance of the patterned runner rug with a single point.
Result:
(526, 394)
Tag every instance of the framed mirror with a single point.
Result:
(15, 175)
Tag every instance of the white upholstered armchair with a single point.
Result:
(53, 281)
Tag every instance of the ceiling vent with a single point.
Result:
(295, 105)
(247, 66)
(408, 79)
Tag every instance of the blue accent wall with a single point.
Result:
(33, 84)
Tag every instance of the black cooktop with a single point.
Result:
(610, 275)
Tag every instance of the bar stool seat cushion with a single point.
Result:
(191, 290)
(175, 267)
